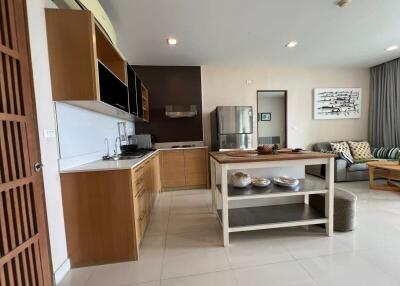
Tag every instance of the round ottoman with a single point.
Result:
(344, 208)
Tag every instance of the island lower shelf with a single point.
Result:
(304, 188)
(276, 216)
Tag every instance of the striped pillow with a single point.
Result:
(343, 150)
(386, 153)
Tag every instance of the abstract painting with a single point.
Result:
(337, 103)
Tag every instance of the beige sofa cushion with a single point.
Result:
(360, 150)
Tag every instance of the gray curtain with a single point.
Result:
(384, 107)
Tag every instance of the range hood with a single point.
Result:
(180, 111)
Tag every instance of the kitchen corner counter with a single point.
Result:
(102, 165)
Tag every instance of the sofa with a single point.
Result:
(345, 172)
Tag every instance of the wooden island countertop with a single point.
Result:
(227, 157)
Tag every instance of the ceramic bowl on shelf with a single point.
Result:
(286, 181)
(260, 182)
(240, 179)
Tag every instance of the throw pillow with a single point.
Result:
(347, 158)
(386, 153)
(360, 150)
(380, 153)
(393, 153)
(343, 150)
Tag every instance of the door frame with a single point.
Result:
(286, 113)
(20, 52)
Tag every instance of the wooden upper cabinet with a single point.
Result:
(86, 69)
(196, 167)
(72, 55)
(173, 169)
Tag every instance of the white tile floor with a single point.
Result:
(183, 247)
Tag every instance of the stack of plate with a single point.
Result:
(260, 182)
(285, 181)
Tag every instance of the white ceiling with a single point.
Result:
(254, 32)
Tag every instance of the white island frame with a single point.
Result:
(277, 216)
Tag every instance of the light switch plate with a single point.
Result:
(49, 133)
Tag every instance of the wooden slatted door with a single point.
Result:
(24, 247)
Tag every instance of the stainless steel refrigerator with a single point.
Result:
(231, 127)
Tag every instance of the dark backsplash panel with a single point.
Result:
(176, 86)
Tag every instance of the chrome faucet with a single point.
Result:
(116, 146)
(107, 155)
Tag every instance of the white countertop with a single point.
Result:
(102, 165)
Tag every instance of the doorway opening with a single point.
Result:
(272, 117)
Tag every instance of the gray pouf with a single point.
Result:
(344, 208)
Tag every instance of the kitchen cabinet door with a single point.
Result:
(173, 169)
(136, 216)
(157, 174)
(196, 167)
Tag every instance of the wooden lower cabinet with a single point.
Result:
(172, 169)
(184, 168)
(106, 212)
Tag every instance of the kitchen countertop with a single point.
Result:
(107, 165)
(102, 165)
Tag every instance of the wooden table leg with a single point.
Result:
(329, 197)
(213, 184)
(225, 207)
(371, 176)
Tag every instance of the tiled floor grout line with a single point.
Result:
(165, 240)
(308, 273)
(194, 275)
(90, 276)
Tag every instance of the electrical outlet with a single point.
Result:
(49, 133)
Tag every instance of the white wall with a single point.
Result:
(46, 120)
(81, 134)
(81, 131)
(228, 86)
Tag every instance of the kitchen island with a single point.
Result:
(238, 219)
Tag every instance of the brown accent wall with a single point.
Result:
(177, 86)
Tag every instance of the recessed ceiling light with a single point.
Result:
(392, 48)
(172, 41)
(343, 3)
(291, 44)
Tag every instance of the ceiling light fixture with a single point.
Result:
(172, 41)
(392, 48)
(291, 44)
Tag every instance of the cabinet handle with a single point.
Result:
(140, 181)
(120, 106)
(142, 216)
(141, 193)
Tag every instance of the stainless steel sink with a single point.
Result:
(123, 157)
